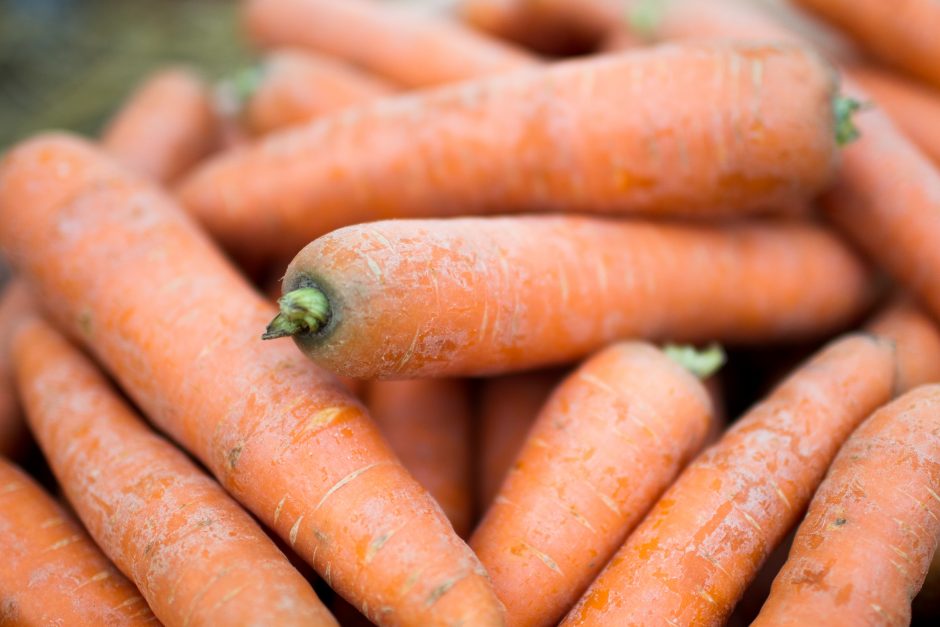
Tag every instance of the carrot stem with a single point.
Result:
(702, 363)
(845, 108)
(304, 310)
(645, 16)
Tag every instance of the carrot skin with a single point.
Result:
(862, 552)
(283, 437)
(917, 342)
(692, 557)
(16, 304)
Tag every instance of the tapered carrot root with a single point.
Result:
(609, 441)
(52, 573)
(597, 135)
(692, 557)
(166, 126)
(196, 556)
(427, 424)
(917, 341)
(406, 48)
(284, 438)
(862, 551)
(408, 298)
(16, 304)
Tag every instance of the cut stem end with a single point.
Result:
(702, 363)
(844, 109)
(304, 310)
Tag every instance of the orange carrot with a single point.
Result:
(596, 135)
(407, 48)
(691, 559)
(166, 126)
(917, 340)
(196, 556)
(16, 303)
(863, 549)
(609, 441)
(508, 407)
(52, 573)
(409, 298)
(175, 324)
(903, 34)
(427, 424)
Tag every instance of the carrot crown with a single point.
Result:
(233, 92)
(643, 17)
(702, 363)
(844, 108)
(304, 310)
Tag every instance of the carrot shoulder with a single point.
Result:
(16, 304)
(692, 557)
(172, 320)
(862, 552)
(53, 574)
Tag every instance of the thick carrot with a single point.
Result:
(508, 407)
(166, 126)
(902, 34)
(293, 86)
(609, 441)
(196, 556)
(597, 135)
(407, 48)
(175, 324)
(52, 573)
(691, 559)
(863, 549)
(16, 304)
(408, 298)
(917, 341)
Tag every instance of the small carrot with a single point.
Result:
(196, 556)
(406, 48)
(692, 557)
(609, 441)
(172, 320)
(410, 298)
(917, 340)
(863, 549)
(166, 126)
(596, 135)
(16, 304)
(52, 573)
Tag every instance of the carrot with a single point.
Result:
(863, 549)
(406, 48)
(914, 108)
(596, 135)
(170, 318)
(409, 298)
(611, 438)
(52, 573)
(917, 341)
(166, 126)
(292, 87)
(508, 407)
(16, 303)
(427, 424)
(196, 556)
(692, 557)
(904, 35)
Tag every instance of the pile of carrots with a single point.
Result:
(594, 312)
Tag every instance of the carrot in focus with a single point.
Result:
(596, 135)
(917, 342)
(404, 47)
(693, 556)
(862, 552)
(166, 126)
(16, 304)
(610, 440)
(53, 574)
(196, 556)
(427, 424)
(458, 297)
(172, 320)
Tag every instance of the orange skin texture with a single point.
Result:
(610, 440)
(16, 304)
(196, 556)
(903, 34)
(917, 341)
(593, 135)
(877, 513)
(166, 126)
(299, 86)
(508, 407)
(890, 213)
(173, 321)
(693, 556)
(412, 298)
(53, 574)
(409, 49)
(427, 424)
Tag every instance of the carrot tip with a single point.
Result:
(844, 108)
(702, 363)
(643, 18)
(304, 310)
